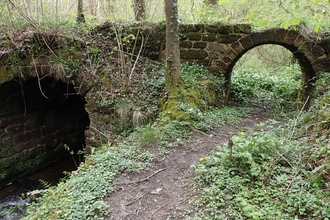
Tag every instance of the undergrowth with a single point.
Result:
(272, 90)
(81, 195)
(271, 173)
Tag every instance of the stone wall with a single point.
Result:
(34, 129)
(200, 43)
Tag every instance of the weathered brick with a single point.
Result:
(231, 53)
(193, 54)
(281, 35)
(269, 35)
(227, 60)
(246, 42)
(300, 40)
(257, 38)
(222, 65)
(200, 45)
(194, 27)
(237, 47)
(228, 38)
(186, 44)
(209, 37)
(291, 37)
(194, 36)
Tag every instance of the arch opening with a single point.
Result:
(34, 127)
(269, 75)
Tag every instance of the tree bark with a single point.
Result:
(139, 10)
(80, 16)
(173, 70)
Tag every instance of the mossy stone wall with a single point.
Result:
(200, 43)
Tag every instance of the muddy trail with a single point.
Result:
(163, 190)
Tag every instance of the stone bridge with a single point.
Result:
(45, 84)
(218, 47)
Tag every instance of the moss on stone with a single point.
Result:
(201, 95)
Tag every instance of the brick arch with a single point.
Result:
(311, 57)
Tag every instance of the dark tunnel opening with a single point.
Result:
(36, 121)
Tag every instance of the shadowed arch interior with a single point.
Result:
(34, 128)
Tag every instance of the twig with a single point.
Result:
(198, 131)
(159, 208)
(136, 199)
(130, 76)
(138, 181)
(100, 132)
(42, 93)
(295, 121)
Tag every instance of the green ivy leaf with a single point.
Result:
(263, 22)
(317, 28)
(250, 16)
(285, 24)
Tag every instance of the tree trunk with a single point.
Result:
(173, 70)
(139, 10)
(80, 16)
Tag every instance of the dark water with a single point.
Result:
(12, 205)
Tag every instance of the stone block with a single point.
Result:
(15, 129)
(194, 27)
(196, 36)
(300, 40)
(209, 37)
(257, 38)
(227, 60)
(318, 51)
(186, 44)
(227, 38)
(223, 66)
(231, 53)
(237, 47)
(200, 45)
(19, 147)
(217, 47)
(307, 49)
(212, 28)
(281, 35)
(243, 28)
(321, 64)
(206, 62)
(36, 150)
(291, 37)
(193, 54)
(246, 42)
(269, 35)
(214, 54)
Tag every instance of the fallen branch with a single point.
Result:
(136, 199)
(138, 181)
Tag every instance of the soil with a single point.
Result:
(163, 190)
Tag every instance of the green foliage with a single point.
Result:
(81, 195)
(266, 177)
(148, 136)
(278, 90)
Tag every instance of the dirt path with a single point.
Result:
(165, 194)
